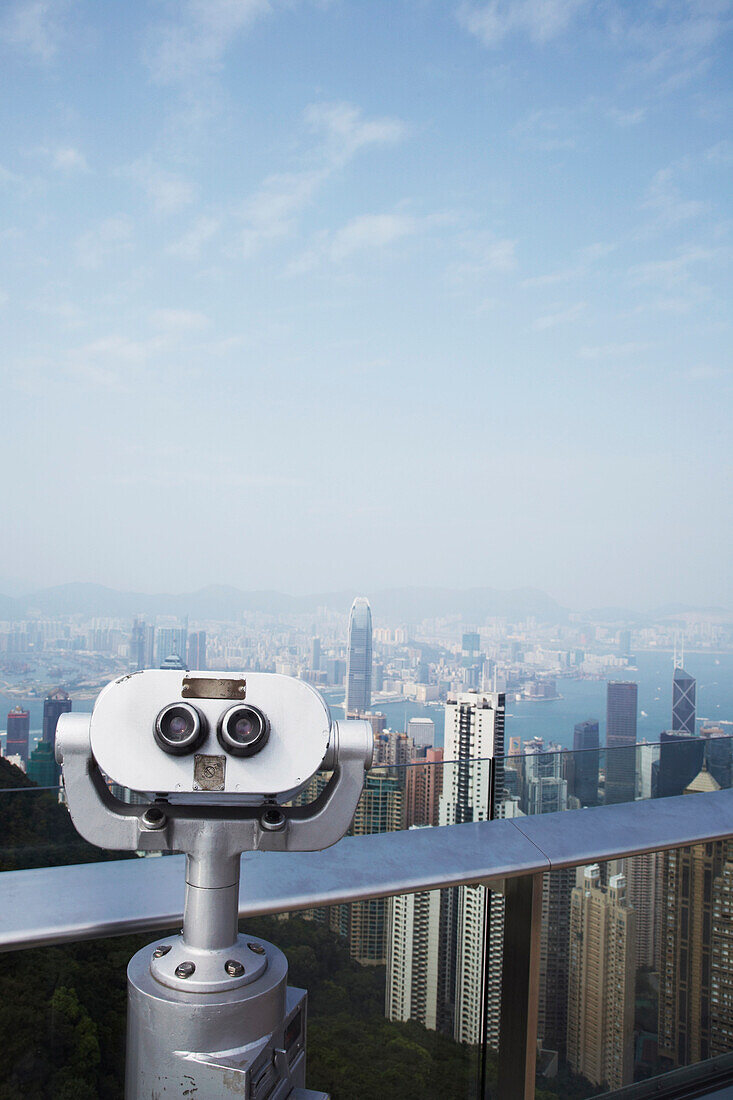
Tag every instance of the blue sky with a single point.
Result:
(312, 295)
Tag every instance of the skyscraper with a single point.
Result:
(683, 702)
(680, 760)
(621, 706)
(422, 732)
(359, 658)
(19, 721)
(586, 763)
(170, 641)
(54, 705)
(601, 980)
(197, 650)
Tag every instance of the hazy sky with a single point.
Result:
(312, 295)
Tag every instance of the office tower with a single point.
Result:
(173, 661)
(423, 788)
(718, 754)
(54, 705)
(683, 702)
(621, 705)
(364, 923)
(359, 658)
(315, 654)
(680, 760)
(422, 732)
(170, 641)
(42, 766)
(586, 763)
(624, 642)
(137, 645)
(196, 646)
(685, 974)
(601, 980)
(16, 744)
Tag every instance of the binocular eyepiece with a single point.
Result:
(242, 730)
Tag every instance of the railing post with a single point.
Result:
(520, 979)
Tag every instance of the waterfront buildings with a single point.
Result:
(359, 658)
(18, 729)
(621, 710)
(601, 980)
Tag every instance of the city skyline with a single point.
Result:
(234, 261)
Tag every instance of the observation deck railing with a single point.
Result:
(53, 905)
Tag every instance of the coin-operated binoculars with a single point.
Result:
(209, 1011)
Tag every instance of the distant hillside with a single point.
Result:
(407, 605)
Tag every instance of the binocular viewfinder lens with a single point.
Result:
(243, 730)
(179, 729)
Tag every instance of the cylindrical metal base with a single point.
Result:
(180, 1041)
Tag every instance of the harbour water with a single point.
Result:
(553, 720)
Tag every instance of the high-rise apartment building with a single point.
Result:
(601, 980)
(364, 923)
(18, 729)
(415, 962)
(691, 879)
(621, 708)
(422, 732)
(644, 893)
(586, 763)
(683, 702)
(423, 788)
(137, 645)
(196, 650)
(392, 748)
(359, 658)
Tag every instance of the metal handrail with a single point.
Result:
(62, 904)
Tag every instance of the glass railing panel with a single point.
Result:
(547, 782)
(636, 970)
(383, 1020)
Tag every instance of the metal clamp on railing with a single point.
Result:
(222, 759)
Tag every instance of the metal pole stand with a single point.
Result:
(209, 1011)
(210, 1014)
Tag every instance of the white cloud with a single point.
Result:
(630, 117)
(672, 273)
(585, 259)
(271, 212)
(68, 159)
(346, 131)
(196, 40)
(179, 320)
(111, 237)
(549, 128)
(706, 372)
(666, 202)
(485, 257)
(370, 231)
(190, 245)
(167, 193)
(541, 20)
(563, 316)
(615, 350)
(33, 27)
